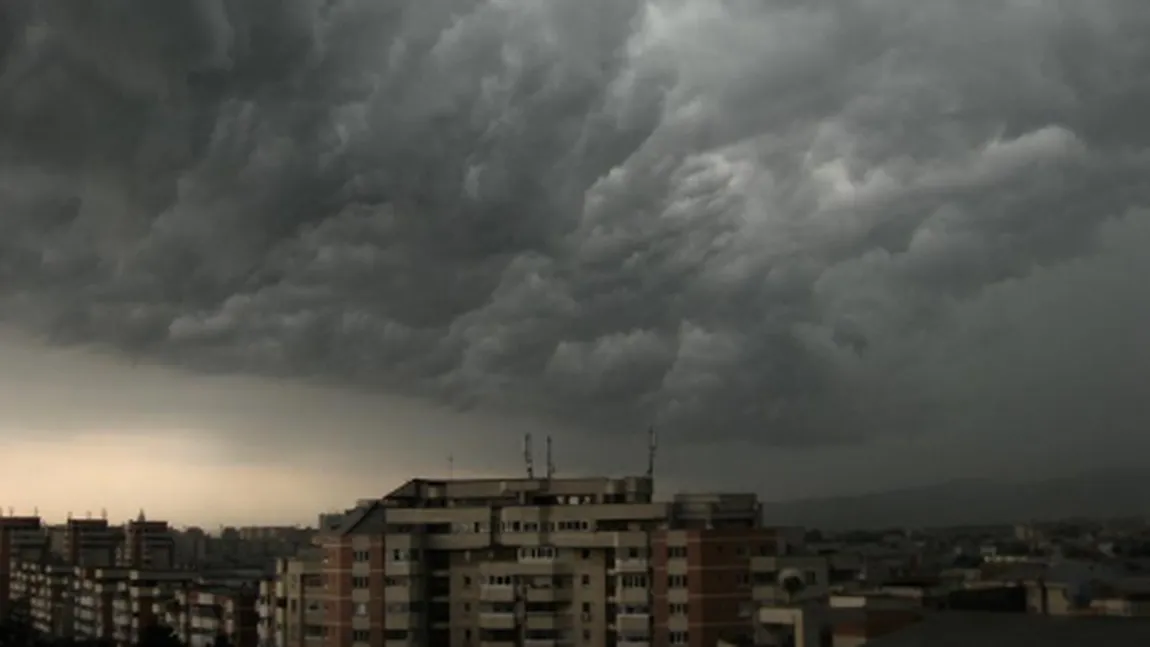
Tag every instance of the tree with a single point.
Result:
(159, 635)
(16, 628)
(792, 585)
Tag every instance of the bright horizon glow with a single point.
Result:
(171, 478)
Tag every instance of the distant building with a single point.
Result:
(1010, 630)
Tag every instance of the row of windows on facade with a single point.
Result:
(574, 525)
(675, 581)
(550, 552)
(361, 635)
(626, 580)
(586, 609)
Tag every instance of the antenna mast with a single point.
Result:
(527, 458)
(451, 466)
(652, 446)
(550, 464)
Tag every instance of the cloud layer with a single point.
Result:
(790, 223)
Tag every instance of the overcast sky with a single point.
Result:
(288, 253)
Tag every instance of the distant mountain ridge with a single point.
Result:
(1101, 494)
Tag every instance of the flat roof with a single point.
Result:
(1019, 630)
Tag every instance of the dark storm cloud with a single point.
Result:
(791, 222)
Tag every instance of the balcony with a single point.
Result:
(496, 593)
(397, 593)
(633, 623)
(633, 595)
(496, 620)
(631, 642)
(549, 594)
(630, 565)
(402, 620)
(401, 569)
(548, 621)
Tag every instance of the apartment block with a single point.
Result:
(294, 610)
(203, 614)
(542, 562)
(94, 594)
(89, 542)
(266, 609)
(138, 601)
(21, 538)
(146, 545)
(43, 593)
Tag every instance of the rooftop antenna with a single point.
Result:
(451, 466)
(104, 514)
(652, 446)
(36, 511)
(527, 458)
(550, 464)
(69, 515)
(88, 514)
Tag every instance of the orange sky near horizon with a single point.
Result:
(171, 478)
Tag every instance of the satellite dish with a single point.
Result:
(792, 581)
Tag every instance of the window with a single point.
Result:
(676, 552)
(394, 581)
(360, 582)
(361, 556)
(743, 579)
(678, 638)
(634, 581)
(586, 580)
(676, 581)
(811, 577)
(360, 636)
(466, 581)
(538, 552)
(679, 609)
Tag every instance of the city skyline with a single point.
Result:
(256, 262)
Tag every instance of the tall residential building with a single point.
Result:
(21, 538)
(542, 562)
(90, 542)
(293, 612)
(147, 545)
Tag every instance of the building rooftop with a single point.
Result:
(1018, 630)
